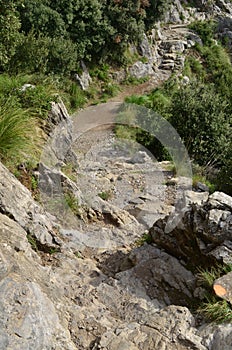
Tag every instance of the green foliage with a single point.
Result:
(219, 70)
(38, 99)
(146, 238)
(224, 176)
(105, 195)
(44, 54)
(207, 277)
(54, 35)
(32, 242)
(101, 72)
(72, 203)
(205, 29)
(16, 125)
(110, 90)
(77, 97)
(194, 68)
(199, 115)
(154, 11)
(135, 81)
(203, 179)
(213, 308)
(41, 18)
(9, 32)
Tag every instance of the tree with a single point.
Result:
(154, 11)
(41, 18)
(9, 32)
(201, 117)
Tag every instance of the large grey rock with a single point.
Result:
(172, 328)
(141, 70)
(84, 79)
(17, 202)
(216, 337)
(59, 142)
(204, 233)
(145, 48)
(28, 317)
(162, 276)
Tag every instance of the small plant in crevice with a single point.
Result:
(78, 255)
(53, 251)
(146, 238)
(32, 242)
(70, 171)
(73, 203)
(213, 308)
(105, 195)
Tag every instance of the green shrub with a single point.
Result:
(199, 115)
(72, 202)
(105, 195)
(213, 308)
(146, 238)
(216, 310)
(205, 29)
(10, 36)
(16, 136)
(38, 99)
(77, 97)
(43, 54)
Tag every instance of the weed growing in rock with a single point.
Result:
(146, 238)
(72, 203)
(213, 308)
(105, 195)
(32, 242)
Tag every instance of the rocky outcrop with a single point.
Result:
(29, 318)
(92, 282)
(203, 236)
(84, 79)
(163, 51)
(17, 203)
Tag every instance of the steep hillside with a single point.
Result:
(102, 246)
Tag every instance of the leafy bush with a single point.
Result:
(105, 195)
(199, 115)
(38, 99)
(43, 54)
(9, 32)
(206, 30)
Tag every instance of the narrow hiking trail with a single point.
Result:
(127, 174)
(122, 184)
(121, 181)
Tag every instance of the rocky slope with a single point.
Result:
(74, 271)
(89, 282)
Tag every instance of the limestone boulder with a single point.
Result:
(17, 203)
(203, 231)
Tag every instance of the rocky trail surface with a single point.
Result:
(76, 270)
(79, 276)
